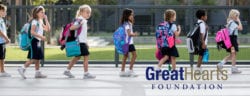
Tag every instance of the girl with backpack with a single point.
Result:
(172, 30)
(35, 53)
(233, 27)
(127, 21)
(83, 13)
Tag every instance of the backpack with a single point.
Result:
(65, 29)
(222, 38)
(25, 37)
(194, 40)
(119, 39)
(163, 36)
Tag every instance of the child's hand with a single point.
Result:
(7, 41)
(179, 28)
(43, 38)
(136, 34)
(45, 17)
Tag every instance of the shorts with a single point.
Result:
(2, 51)
(131, 48)
(36, 51)
(84, 49)
(170, 51)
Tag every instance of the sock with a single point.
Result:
(23, 67)
(37, 71)
(67, 70)
(85, 73)
(223, 62)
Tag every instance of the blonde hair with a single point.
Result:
(3, 7)
(232, 14)
(169, 13)
(82, 8)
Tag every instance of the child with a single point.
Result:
(233, 29)
(201, 15)
(169, 18)
(127, 21)
(35, 53)
(83, 14)
(3, 40)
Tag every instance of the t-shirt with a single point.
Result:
(3, 30)
(173, 29)
(39, 27)
(203, 30)
(82, 38)
(127, 26)
(232, 25)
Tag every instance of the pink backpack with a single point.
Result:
(222, 39)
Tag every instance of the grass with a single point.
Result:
(107, 53)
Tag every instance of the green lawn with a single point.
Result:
(107, 53)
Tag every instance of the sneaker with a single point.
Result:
(132, 74)
(40, 75)
(235, 70)
(199, 71)
(220, 66)
(21, 72)
(88, 76)
(4, 74)
(124, 74)
(69, 74)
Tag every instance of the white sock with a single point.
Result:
(23, 67)
(37, 71)
(223, 62)
(67, 70)
(85, 73)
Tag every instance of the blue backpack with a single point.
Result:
(25, 37)
(119, 38)
(163, 36)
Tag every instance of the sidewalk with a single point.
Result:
(108, 83)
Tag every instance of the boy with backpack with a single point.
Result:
(202, 18)
(3, 40)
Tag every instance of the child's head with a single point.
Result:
(201, 14)
(127, 16)
(233, 14)
(170, 15)
(84, 11)
(3, 10)
(38, 12)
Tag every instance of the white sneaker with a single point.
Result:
(4, 74)
(21, 72)
(199, 71)
(235, 70)
(40, 75)
(88, 76)
(220, 66)
(124, 74)
(69, 74)
(132, 74)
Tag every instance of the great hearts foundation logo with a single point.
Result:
(185, 74)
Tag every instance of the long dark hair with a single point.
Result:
(125, 15)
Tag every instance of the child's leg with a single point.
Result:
(233, 57)
(199, 61)
(27, 63)
(37, 64)
(132, 62)
(72, 62)
(86, 63)
(173, 61)
(125, 56)
(163, 60)
(2, 65)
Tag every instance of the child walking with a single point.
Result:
(83, 13)
(173, 30)
(127, 21)
(35, 53)
(3, 41)
(234, 25)
(201, 15)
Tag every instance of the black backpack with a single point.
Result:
(194, 39)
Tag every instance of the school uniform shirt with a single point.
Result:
(3, 30)
(173, 29)
(203, 30)
(82, 38)
(128, 25)
(39, 27)
(232, 26)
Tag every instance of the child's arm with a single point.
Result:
(131, 34)
(33, 28)
(74, 27)
(46, 27)
(178, 31)
(5, 37)
(240, 25)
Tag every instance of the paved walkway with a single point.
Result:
(108, 83)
